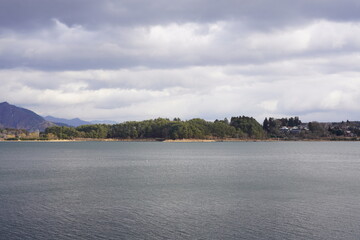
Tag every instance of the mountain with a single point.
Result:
(62, 124)
(103, 122)
(20, 118)
(75, 122)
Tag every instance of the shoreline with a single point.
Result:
(184, 140)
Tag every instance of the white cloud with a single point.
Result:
(210, 70)
(207, 92)
(269, 105)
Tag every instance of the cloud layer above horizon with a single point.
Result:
(134, 60)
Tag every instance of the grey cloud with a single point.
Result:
(63, 47)
(135, 59)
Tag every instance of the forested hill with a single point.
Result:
(161, 128)
(241, 127)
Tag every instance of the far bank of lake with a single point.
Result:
(349, 139)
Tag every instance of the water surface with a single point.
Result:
(134, 190)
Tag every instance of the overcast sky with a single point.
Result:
(138, 59)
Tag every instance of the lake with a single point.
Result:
(157, 190)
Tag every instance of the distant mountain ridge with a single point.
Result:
(103, 122)
(15, 117)
(75, 122)
(12, 116)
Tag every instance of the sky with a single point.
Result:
(127, 60)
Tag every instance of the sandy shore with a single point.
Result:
(190, 140)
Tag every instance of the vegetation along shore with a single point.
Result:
(241, 128)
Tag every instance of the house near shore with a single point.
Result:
(294, 130)
(284, 129)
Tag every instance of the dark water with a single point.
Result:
(120, 190)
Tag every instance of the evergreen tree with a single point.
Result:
(266, 124)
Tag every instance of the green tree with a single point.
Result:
(249, 126)
(266, 125)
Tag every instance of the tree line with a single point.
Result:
(163, 128)
(240, 127)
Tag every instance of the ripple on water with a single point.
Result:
(179, 190)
